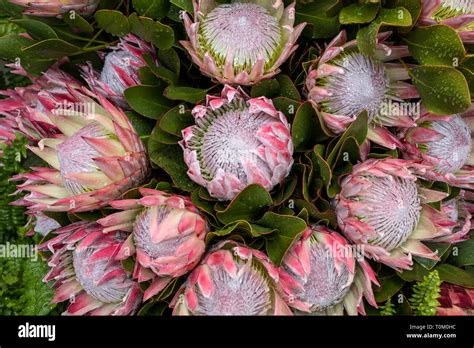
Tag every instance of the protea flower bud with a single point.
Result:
(23, 110)
(382, 208)
(458, 14)
(120, 70)
(459, 211)
(86, 273)
(343, 82)
(237, 141)
(167, 236)
(57, 8)
(241, 42)
(444, 143)
(323, 274)
(232, 279)
(455, 300)
(96, 157)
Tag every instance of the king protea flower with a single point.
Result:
(94, 159)
(56, 8)
(444, 143)
(458, 14)
(241, 42)
(237, 141)
(232, 279)
(85, 272)
(120, 70)
(23, 109)
(322, 274)
(166, 234)
(343, 82)
(382, 208)
(455, 300)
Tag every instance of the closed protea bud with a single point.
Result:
(458, 14)
(455, 300)
(232, 279)
(237, 141)
(120, 70)
(23, 110)
(56, 8)
(382, 208)
(458, 211)
(86, 273)
(343, 82)
(444, 143)
(323, 274)
(166, 234)
(241, 42)
(94, 159)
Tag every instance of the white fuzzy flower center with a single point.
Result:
(247, 294)
(226, 138)
(452, 8)
(75, 155)
(245, 30)
(88, 274)
(392, 210)
(454, 149)
(122, 60)
(362, 86)
(324, 286)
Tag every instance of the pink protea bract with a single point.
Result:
(57, 8)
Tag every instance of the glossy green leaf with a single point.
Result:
(358, 13)
(113, 22)
(455, 275)
(176, 119)
(188, 94)
(156, 9)
(37, 29)
(147, 100)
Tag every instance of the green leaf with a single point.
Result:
(266, 88)
(287, 230)
(176, 119)
(170, 59)
(38, 30)
(188, 94)
(186, 5)
(50, 49)
(455, 275)
(304, 130)
(11, 45)
(156, 9)
(163, 36)
(161, 72)
(436, 45)
(321, 15)
(247, 205)
(414, 7)
(463, 253)
(415, 274)
(143, 126)
(389, 286)
(367, 36)
(358, 13)
(287, 88)
(113, 22)
(78, 23)
(443, 89)
(147, 101)
(170, 159)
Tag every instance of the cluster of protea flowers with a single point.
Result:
(237, 141)
(95, 157)
(241, 42)
(343, 82)
(166, 235)
(444, 144)
(458, 14)
(57, 8)
(232, 279)
(382, 208)
(323, 274)
(120, 70)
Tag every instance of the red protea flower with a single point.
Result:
(237, 141)
(120, 70)
(343, 82)
(86, 273)
(444, 143)
(232, 279)
(382, 208)
(23, 109)
(95, 158)
(458, 14)
(167, 236)
(56, 8)
(241, 42)
(455, 300)
(323, 274)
